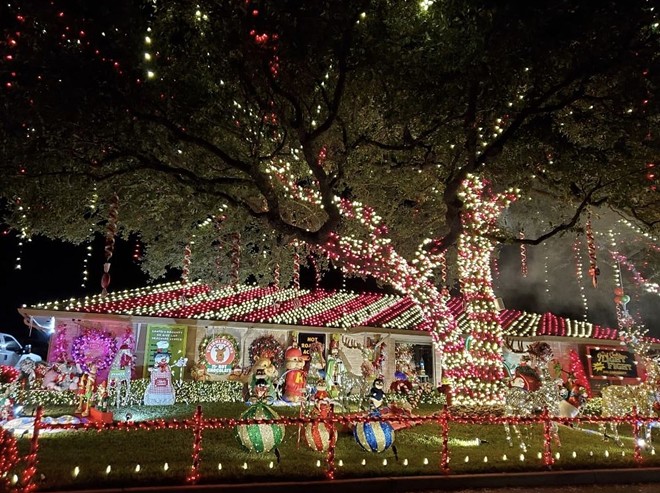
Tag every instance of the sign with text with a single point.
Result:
(219, 353)
(167, 340)
(612, 363)
(306, 339)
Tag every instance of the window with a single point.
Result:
(415, 361)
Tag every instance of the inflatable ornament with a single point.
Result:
(375, 436)
(317, 436)
(260, 437)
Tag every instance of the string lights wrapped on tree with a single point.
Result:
(376, 257)
(578, 274)
(185, 271)
(296, 268)
(276, 276)
(523, 256)
(317, 271)
(482, 374)
(219, 220)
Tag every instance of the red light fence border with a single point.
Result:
(198, 424)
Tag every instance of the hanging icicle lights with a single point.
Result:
(577, 255)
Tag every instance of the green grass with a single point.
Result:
(419, 451)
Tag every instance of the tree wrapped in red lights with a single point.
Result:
(483, 375)
(576, 368)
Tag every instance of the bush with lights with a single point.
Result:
(593, 407)
(187, 392)
(8, 374)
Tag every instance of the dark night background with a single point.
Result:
(52, 270)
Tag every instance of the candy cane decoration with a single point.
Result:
(594, 271)
(185, 272)
(235, 257)
(110, 233)
(523, 255)
(276, 276)
(296, 269)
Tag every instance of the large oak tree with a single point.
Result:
(193, 111)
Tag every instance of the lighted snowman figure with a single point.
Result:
(160, 392)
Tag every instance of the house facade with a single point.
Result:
(220, 332)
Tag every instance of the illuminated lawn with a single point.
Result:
(164, 456)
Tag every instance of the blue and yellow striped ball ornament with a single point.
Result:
(374, 436)
(260, 437)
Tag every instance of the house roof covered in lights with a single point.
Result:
(298, 307)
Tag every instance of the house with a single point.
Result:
(219, 329)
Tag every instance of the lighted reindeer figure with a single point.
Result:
(619, 400)
(532, 389)
(357, 378)
(120, 374)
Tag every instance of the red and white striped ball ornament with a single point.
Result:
(317, 436)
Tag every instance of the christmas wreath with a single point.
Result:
(269, 347)
(93, 346)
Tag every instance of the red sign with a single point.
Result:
(220, 351)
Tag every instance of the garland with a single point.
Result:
(89, 340)
(59, 348)
(187, 392)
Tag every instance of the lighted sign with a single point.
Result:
(612, 363)
(219, 353)
(306, 339)
(171, 337)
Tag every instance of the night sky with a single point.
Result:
(52, 270)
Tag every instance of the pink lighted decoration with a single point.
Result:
(93, 346)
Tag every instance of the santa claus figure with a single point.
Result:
(295, 378)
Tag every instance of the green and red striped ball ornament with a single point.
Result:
(375, 436)
(317, 436)
(260, 437)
